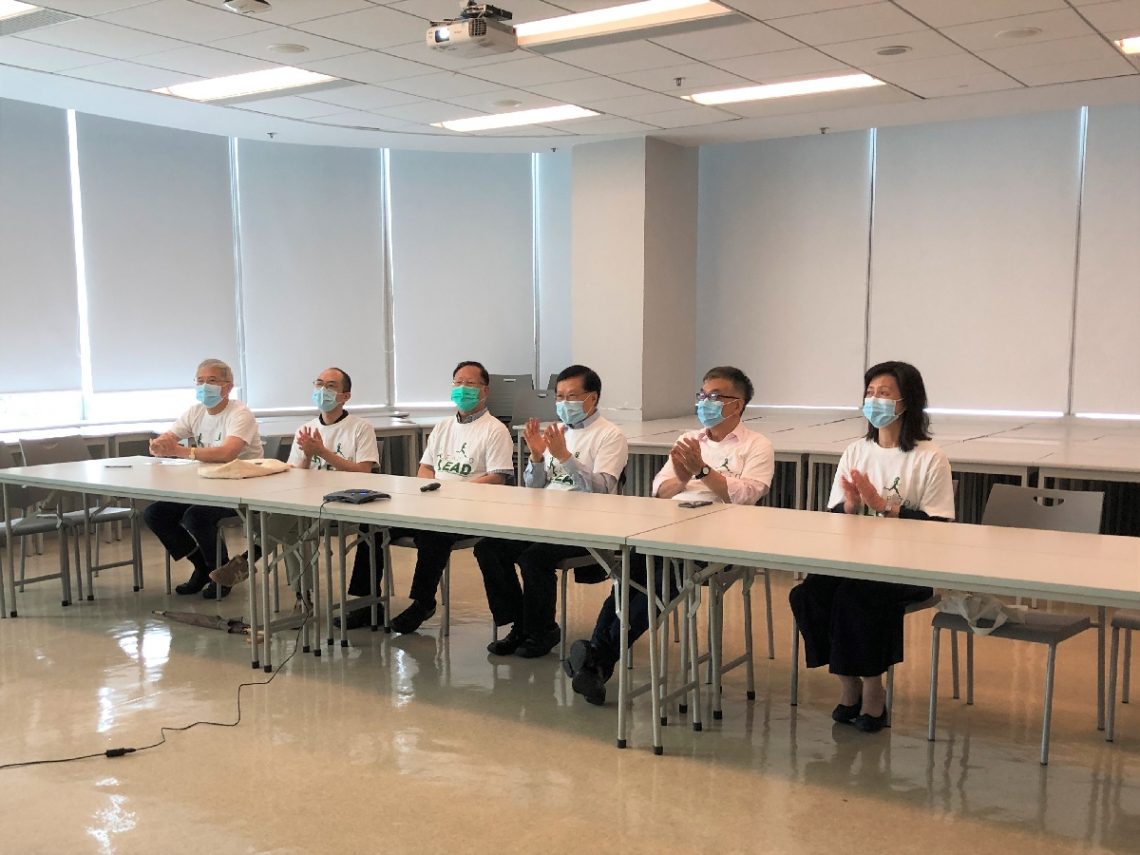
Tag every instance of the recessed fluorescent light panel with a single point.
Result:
(785, 90)
(255, 83)
(18, 17)
(541, 116)
(617, 19)
(1130, 45)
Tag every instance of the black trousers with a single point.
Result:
(534, 601)
(853, 626)
(359, 584)
(606, 639)
(433, 549)
(185, 528)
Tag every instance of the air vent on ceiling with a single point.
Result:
(32, 21)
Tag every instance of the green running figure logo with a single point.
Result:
(460, 463)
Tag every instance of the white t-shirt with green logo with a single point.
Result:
(210, 431)
(350, 436)
(600, 447)
(918, 479)
(459, 452)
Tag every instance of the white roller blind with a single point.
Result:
(1106, 379)
(312, 270)
(39, 326)
(782, 265)
(158, 238)
(462, 267)
(973, 256)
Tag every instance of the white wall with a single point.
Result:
(554, 188)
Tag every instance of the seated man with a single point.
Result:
(585, 452)
(471, 446)
(335, 439)
(724, 462)
(222, 430)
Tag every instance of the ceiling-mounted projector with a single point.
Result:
(479, 30)
(247, 7)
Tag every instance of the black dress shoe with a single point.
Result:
(197, 581)
(539, 644)
(587, 680)
(508, 645)
(210, 591)
(360, 618)
(845, 714)
(409, 619)
(871, 723)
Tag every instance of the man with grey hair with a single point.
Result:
(222, 430)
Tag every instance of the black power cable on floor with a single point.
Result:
(119, 752)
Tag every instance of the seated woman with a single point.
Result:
(854, 626)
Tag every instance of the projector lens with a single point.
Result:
(442, 34)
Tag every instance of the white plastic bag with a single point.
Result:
(244, 469)
(984, 613)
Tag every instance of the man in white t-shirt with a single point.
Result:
(584, 452)
(222, 430)
(471, 446)
(723, 462)
(334, 439)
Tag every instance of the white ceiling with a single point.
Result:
(107, 58)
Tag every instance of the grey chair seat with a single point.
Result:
(1037, 629)
(99, 516)
(29, 525)
(1126, 619)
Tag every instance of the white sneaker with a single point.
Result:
(233, 571)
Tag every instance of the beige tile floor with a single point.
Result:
(413, 744)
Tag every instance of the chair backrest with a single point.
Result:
(18, 497)
(502, 391)
(552, 382)
(530, 404)
(377, 468)
(271, 447)
(57, 449)
(1022, 507)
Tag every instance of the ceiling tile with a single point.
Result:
(939, 13)
(526, 131)
(289, 107)
(360, 119)
(728, 41)
(101, 38)
(427, 112)
(295, 11)
(934, 68)
(604, 125)
(206, 62)
(633, 106)
(785, 63)
(443, 85)
(362, 97)
(491, 102)
(584, 92)
(923, 44)
(693, 114)
(989, 81)
(1062, 24)
(821, 103)
(188, 22)
(1066, 72)
(532, 71)
(443, 10)
(131, 74)
(378, 27)
(767, 9)
(618, 58)
(1081, 49)
(840, 25)
(27, 54)
(1122, 16)
(367, 67)
(257, 45)
(89, 8)
(693, 76)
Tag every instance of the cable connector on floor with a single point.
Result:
(118, 752)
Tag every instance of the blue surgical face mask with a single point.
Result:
(208, 395)
(324, 399)
(880, 412)
(465, 398)
(570, 412)
(711, 413)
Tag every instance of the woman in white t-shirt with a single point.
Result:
(854, 626)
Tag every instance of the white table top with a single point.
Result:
(1081, 568)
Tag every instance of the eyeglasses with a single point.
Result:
(469, 384)
(328, 384)
(572, 396)
(212, 381)
(715, 396)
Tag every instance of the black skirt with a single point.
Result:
(851, 625)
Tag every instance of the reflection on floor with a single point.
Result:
(417, 744)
